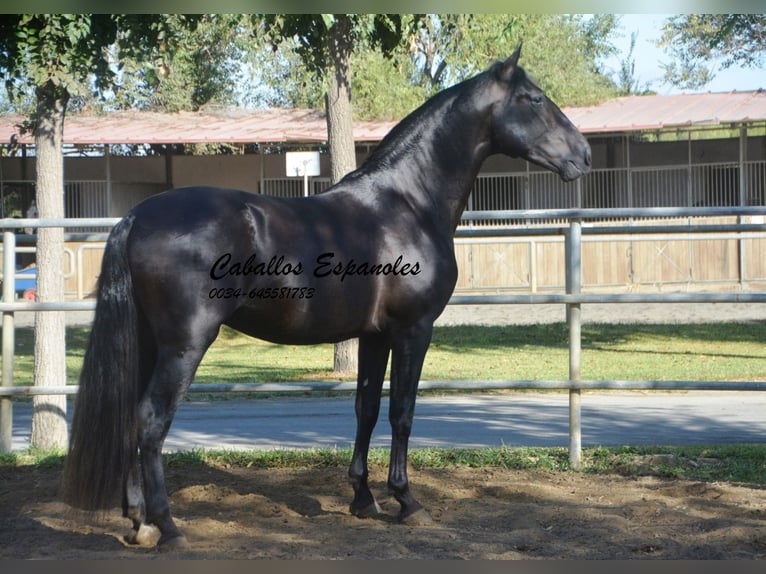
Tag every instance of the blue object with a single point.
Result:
(24, 283)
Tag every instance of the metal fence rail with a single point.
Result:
(572, 298)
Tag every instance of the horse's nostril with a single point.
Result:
(587, 156)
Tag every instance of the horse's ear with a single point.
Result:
(509, 66)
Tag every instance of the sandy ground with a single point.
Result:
(480, 513)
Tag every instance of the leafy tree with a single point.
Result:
(201, 66)
(383, 87)
(697, 40)
(54, 58)
(438, 50)
(560, 51)
(628, 83)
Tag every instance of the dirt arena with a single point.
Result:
(484, 513)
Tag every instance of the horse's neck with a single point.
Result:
(449, 171)
(444, 154)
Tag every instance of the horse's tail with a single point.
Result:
(103, 445)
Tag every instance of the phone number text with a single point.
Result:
(262, 293)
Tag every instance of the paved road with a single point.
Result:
(514, 419)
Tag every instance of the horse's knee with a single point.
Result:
(357, 472)
(400, 416)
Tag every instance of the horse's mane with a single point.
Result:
(406, 135)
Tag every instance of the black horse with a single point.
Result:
(371, 258)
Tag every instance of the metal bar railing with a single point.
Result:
(472, 385)
(612, 213)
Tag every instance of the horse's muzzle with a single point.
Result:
(577, 166)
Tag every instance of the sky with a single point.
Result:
(647, 57)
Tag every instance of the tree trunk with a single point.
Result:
(49, 428)
(340, 136)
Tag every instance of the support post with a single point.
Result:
(742, 193)
(573, 246)
(9, 340)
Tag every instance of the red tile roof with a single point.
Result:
(295, 126)
(656, 112)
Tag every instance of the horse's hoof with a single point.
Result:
(418, 518)
(146, 535)
(173, 544)
(369, 511)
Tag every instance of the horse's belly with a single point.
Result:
(296, 321)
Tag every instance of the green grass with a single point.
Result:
(718, 351)
(731, 463)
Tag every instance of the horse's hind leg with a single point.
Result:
(373, 358)
(173, 373)
(133, 507)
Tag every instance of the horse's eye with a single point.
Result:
(536, 100)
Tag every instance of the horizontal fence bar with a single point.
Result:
(482, 232)
(317, 386)
(542, 298)
(605, 213)
(497, 299)
(59, 306)
(65, 223)
(737, 229)
(616, 212)
(604, 235)
(26, 239)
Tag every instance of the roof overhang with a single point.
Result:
(300, 126)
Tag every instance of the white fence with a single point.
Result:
(572, 298)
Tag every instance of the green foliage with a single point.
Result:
(381, 87)
(173, 61)
(309, 34)
(57, 49)
(627, 83)
(433, 52)
(75, 53)
(301, 58)
(200, 66)
(698, 41)
(559, 51)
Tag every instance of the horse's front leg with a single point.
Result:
(373, 358)
(409, 352)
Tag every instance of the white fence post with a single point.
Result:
(573, 248)
(9, 338)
